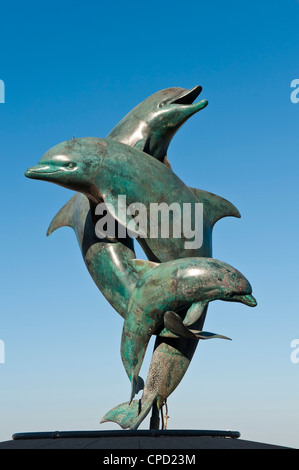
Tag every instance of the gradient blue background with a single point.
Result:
(75, 69)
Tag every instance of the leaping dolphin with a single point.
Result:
(103, 169)
(218, 280)
(171, 287)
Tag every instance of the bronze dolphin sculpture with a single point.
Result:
(215, 206)
(60, 165)
(158, 114)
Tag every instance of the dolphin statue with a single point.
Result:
(169, 288)
(62, 155)
(77, 215)
(159, 115)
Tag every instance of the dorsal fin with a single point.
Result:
(142, 266)
(215, 206)
(65, 217)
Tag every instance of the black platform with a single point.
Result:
(140, 439)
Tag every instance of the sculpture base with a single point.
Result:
(140, 439)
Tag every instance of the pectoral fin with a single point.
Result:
(65, 217)
(174, 324)
(194, 313)
(208, 335)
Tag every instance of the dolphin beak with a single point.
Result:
(188, 97)
(200, 105)
(245, 299)
(39, 172)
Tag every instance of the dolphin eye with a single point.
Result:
(71, 165)
(163, 103)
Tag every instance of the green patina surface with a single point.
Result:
(143, 291)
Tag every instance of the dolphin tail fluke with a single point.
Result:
(130, 415)
(65, 217)
(215, 206)
(123, 415)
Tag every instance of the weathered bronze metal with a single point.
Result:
(171, 287)
(166, 295)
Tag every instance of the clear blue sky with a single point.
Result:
(75, 69)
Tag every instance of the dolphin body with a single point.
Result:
(103, 169)
(171, 287)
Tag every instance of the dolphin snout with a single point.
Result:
(200, 105)
(39, 171)
(187, 99)
(247, 299)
